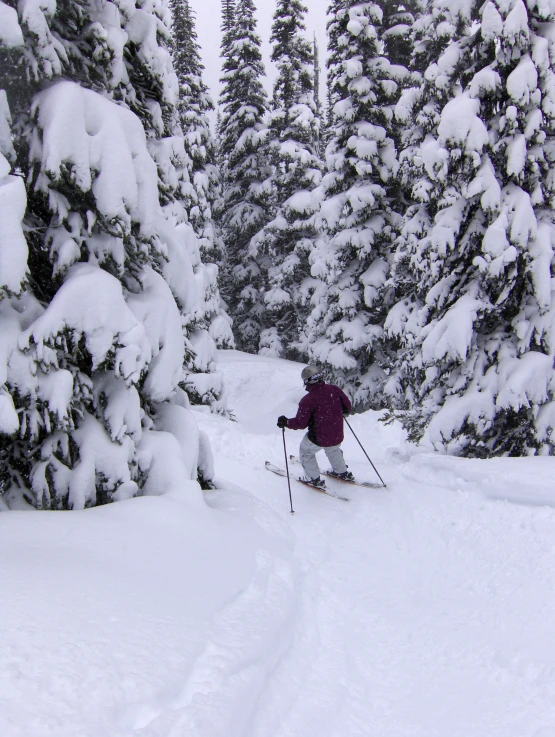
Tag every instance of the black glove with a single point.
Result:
(282, 421)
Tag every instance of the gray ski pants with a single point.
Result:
(308, 452)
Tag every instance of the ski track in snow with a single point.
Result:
(420, 610)
(411, 620)
(225, 678)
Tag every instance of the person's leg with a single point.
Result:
(335, 457)
(308, 452)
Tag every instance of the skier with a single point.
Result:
(321, 411)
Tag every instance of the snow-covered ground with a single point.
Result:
(423, 610)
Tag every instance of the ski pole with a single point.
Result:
(365, 453)
(287, 469)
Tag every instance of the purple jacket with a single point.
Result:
(322, 412)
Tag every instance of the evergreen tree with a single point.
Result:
(358, 214)
(194, 106)
(282, 248)
(400, 31)
(417, 113)
(397, 29)
(198, 194)
(96, 351)
(474, 266)
(243, 209)
(228, 24)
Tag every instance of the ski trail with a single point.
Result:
(244, 641)
(247, 639)
(421, 606)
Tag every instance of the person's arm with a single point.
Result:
(345, 401)
(302, 418)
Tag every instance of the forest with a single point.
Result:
(399, 234)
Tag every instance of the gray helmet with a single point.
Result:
(311, 375)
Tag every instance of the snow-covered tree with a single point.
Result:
(13, 278)
(345, 330)
(228, 25)
(199, 191)
(227, 39)
(244, 209)
(194, 106)
(95, 356)
(282, 248)
(474, 268)
(397, 29)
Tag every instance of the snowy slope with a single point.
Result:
(423, 610)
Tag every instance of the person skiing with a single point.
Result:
(321, 411)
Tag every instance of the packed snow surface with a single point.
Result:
(420, 610)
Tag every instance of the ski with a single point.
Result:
(281, 472)
(366, 484)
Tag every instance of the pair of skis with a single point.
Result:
(328, 492)
(281, 472)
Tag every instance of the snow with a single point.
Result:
(6, 145)
(91, 304)
(526, 381)
(171, 418)
(143, 29)
(542, 255)
(522, 218)
(522, 81)
(303, 202)
(10, 31)
(13, 246)
(495, 240)
(9, 421)
(516, 154)
(460, 124)
(486, 183)
(452, 334)
(162, 456)
(121, 406)
(156, 309)
(99, 457)
(13, 203)
(485, 81)
(421, 609)
(105, 147)
(492, 23)
(353, 67)
(50, 54)
(515, 26)
(457, 8)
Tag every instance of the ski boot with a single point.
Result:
(318, 482)
(346, 476)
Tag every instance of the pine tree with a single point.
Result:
(228, 25)
(417, 113)
(282, 248)
(199, 195)
(243, 209)
(474, 265)
(13, 287)
(358, 214)
(194, 106)
(96, 353)
(397, 29)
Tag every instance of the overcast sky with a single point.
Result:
(208, 29)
